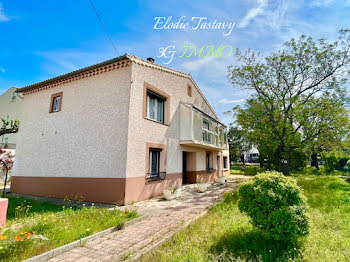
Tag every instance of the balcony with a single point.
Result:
(201, 130)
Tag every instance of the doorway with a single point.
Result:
(184, 168)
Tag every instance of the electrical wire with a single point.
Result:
(104, 28)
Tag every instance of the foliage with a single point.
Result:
(22, 210)
(45, 226)
(225, 234)
(237, 143)
(7, 157)
(335, 160)
(275, 204)
(247, 170)
(298, 102)
(9, 126)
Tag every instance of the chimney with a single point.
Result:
(150, 59)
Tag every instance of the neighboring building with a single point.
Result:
(116, 132)
(252, 155)
(10, 109)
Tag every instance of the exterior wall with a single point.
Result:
(86, 139)
(96, 147)
(143, 131)
(10, 109)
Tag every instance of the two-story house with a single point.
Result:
(115, 132)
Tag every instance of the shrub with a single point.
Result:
(342, 162)
(335, 160)
(275, 205)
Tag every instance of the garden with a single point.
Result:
(229, 231)
(34, 227)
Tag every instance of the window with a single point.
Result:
(206, 129)
(189, 90)
(154, 165)
(224, 159)
(56, 102)
(155, 107)
(209, 162)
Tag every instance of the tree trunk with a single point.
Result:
(314, 161)
(242, 159)
(286, 167)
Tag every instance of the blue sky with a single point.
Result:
(43, 39)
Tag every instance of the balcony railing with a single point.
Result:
(153, 176)
(198, 128)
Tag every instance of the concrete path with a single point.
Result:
(163, 217)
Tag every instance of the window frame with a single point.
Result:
(209, 161)
(224, 161)
(53, 97)
(158, 100)
(148, 88)
(152, 147)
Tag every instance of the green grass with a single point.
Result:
(247, 170)
(225, 234)
(59, 224)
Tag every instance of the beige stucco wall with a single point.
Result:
(10, 109)
(142, 130)
(87, 138)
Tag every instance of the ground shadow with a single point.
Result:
(254, 245)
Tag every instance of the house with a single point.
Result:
(252, 155)
(10, 109)
(116, 132)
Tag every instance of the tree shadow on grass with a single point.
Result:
(254, 245)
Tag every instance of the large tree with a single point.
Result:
(297, 98)
(237, 143)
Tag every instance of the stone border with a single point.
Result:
(60, 250)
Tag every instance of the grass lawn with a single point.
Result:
(247, 170)
(225, 234)
(34, 227)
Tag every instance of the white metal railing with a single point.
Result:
(198, 127)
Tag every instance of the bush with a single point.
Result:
(275, 205)
(342, 162)
(335, 160)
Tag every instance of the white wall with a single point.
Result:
(87, 138)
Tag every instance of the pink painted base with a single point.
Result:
(3, 210)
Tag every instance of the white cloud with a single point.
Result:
(197, 64)
(231, 101)
(320, 3)
(252, 13)
(3, 16)
(2, 70)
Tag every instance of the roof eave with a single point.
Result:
(82, 70)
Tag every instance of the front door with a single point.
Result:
(184, 167)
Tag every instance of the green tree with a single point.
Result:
(297, 98)
(237, 143)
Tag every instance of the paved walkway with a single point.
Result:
(163, 217)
